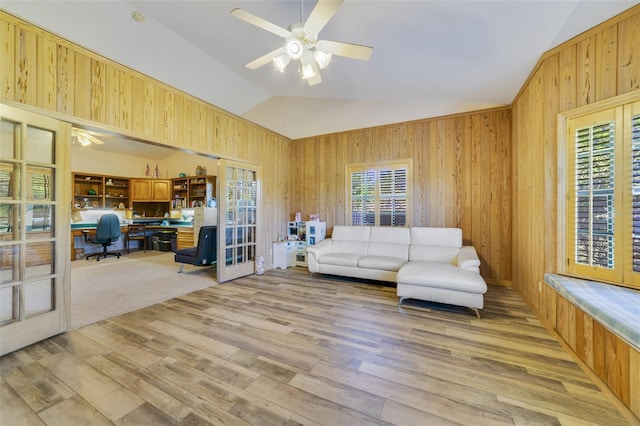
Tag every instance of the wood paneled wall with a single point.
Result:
(597, 65)
(461, 177)
(70, 83)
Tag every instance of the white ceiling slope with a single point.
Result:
(430, 58)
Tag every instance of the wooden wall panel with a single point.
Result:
(65, 91)
(599, 64)
(82, 87)
(26, 63)
(628, 48)
(112, 96)
(461, 177)
(606, 48)
(47, 74)
(8, 54)
(98, 87)
(126, 102)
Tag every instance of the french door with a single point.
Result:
(238, 219)
(34, 227)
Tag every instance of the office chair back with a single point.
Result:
(207, 245)
(107, 232)
(108, 229)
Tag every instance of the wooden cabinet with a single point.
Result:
(184, 238)
(150, 190)
(193, 191)
(92, 191)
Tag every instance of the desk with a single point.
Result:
(79, 232)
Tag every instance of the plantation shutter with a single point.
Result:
(379, 194)
(363, 197)
(595, 198)
(393, 197)
(603, 195)
(635, 191)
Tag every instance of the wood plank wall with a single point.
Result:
(461, 177)
(73, 84)
(597, 65)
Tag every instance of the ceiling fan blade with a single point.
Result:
(321, 14)
(348, 50)
(263, 60)
(94, 140)
(261, 23)
(83, 135)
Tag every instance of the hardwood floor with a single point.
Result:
(286, 348)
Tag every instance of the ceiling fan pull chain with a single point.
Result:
(301, 10)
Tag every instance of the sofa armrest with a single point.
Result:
(323, 247)
(315, 251)
(468, 258)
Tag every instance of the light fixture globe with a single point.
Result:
(294, 48)
(281, 62)
(322, 58)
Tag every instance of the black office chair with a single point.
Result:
(107, 232)
(205, 253)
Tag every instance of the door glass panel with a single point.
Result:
(38, 297)
(39, 217)
(39, 260)
(9, 180)
(39, 183)
(229, 255)
(9, 261)
(8, 219)
(39, 145)
(9, 133)
(8, 300)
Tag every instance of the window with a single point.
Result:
(379, 194)
(603, 195)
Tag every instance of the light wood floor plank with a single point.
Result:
(286, 348)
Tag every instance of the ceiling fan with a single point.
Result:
(84, 138)
(301, 42)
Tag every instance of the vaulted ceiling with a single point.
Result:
(430, 58)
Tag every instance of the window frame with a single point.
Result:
(406, 163)
(623, 107)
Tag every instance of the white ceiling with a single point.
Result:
(430, 58)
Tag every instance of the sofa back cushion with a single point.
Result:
(389, 241)
(436, 244)
(350, 239)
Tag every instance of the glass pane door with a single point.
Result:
(34, 231)
(238, 228)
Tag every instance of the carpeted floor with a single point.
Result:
(112, 286)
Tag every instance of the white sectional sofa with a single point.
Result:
(425, 263)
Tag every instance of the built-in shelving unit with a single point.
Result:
(91, 191)
(193, 191)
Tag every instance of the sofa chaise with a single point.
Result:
(425, 263)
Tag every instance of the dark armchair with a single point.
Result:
(205, 253)
(107, 232)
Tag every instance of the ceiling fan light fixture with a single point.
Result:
(294, 48)
(323, 59)
(308, 69)
(281, 62)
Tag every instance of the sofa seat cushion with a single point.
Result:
(340, 259)
(385, 263)
(441, 275)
